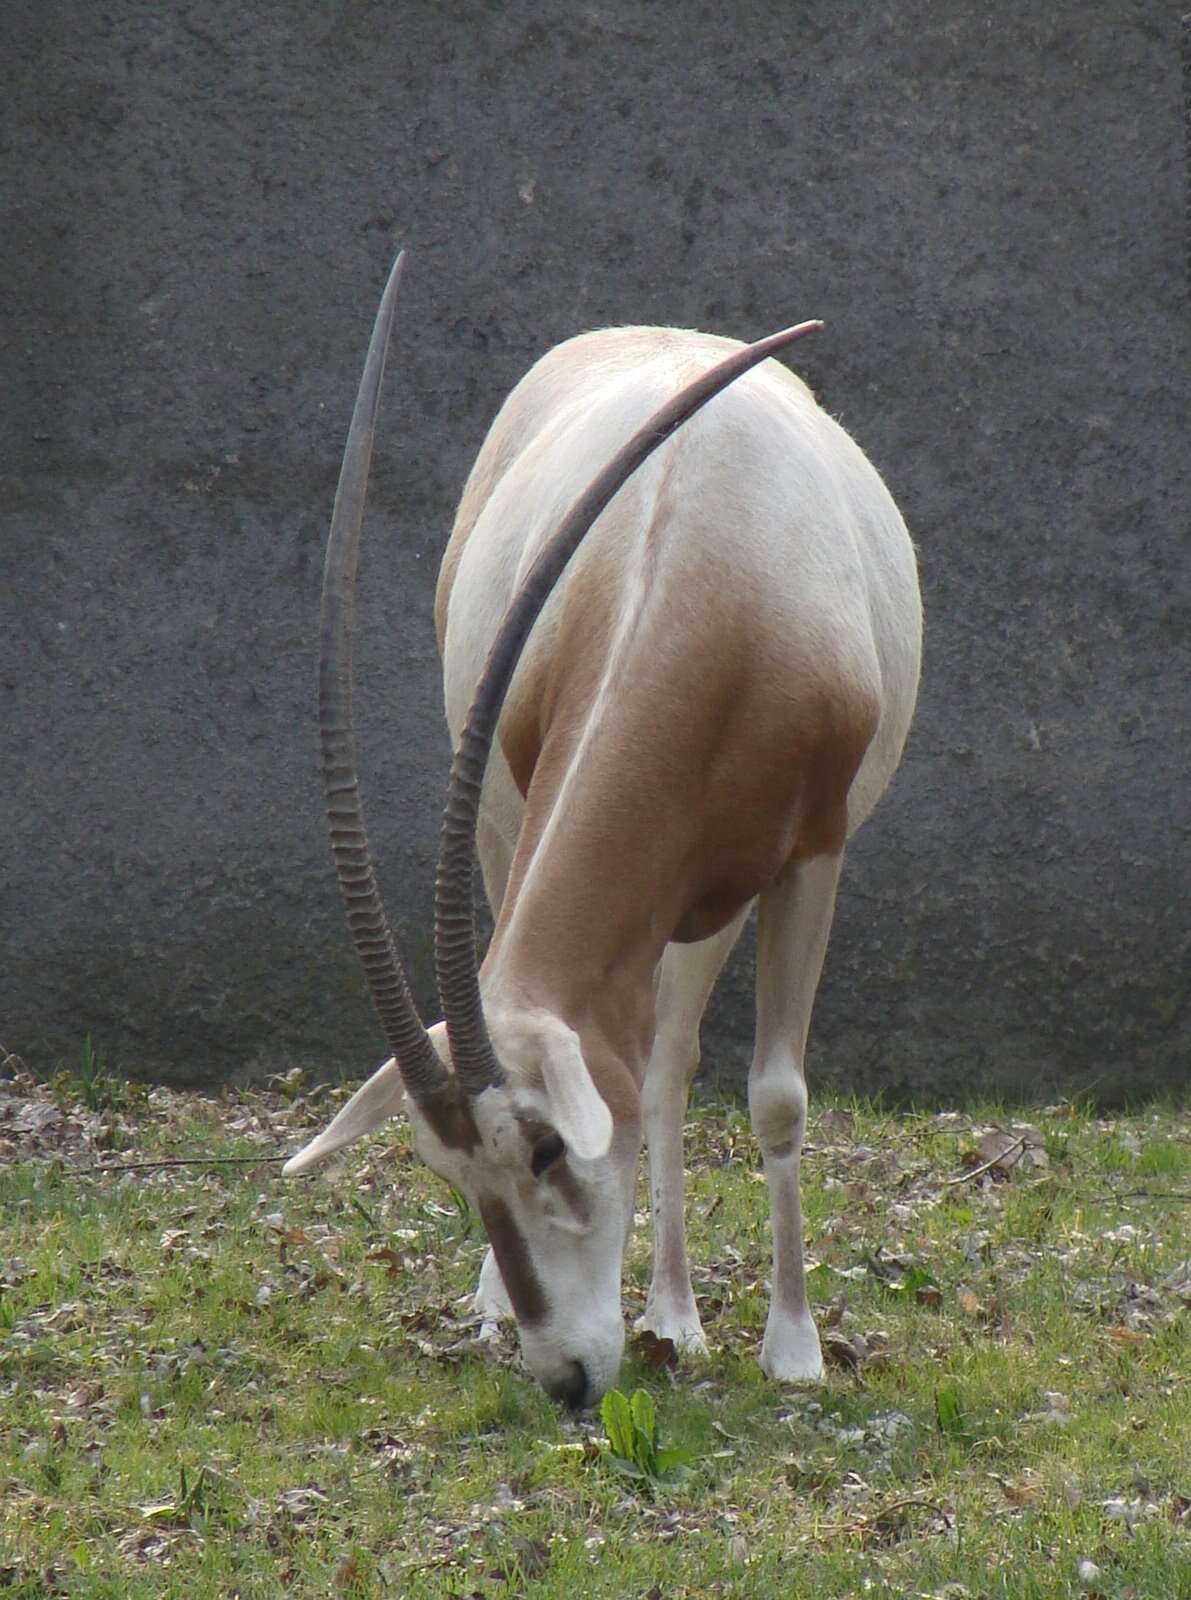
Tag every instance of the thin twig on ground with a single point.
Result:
(1148, 1194)
(179, 1161)
(864, 1523)
(12, 1064)
(966, 1177)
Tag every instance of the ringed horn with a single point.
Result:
(474, 1059)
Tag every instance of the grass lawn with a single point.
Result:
(214, 1382)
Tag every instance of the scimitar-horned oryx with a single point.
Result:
(687, 711)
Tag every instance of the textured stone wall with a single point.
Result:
(985, 206)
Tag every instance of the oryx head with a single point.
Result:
(502, 1102)
(549, 1174)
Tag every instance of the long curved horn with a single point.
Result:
(421, 1070)
(454, 919)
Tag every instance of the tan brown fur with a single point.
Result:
(672, 832)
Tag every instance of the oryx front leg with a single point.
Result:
(792, 930)
(688, 974)
(492, 1301)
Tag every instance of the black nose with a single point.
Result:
(571, 1391)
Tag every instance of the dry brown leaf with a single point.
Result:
(842, 1353)
(836, 1306)
(394, 1259)
(658, 1353)
(857, 1354)
(531, 1556)
(83, 1396)
(1127, 1338)
(33, 1116)
(1018, 1494)
(348, 1574)
(1058, 1408)
(836, 1124)
(1000, 1150)
(300, 1503)
(969, 1304)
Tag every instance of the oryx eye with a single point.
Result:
(545, 1153)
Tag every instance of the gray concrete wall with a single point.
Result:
(201, 202)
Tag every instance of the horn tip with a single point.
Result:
(298, 1164)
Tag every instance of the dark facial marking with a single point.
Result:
(533, 1129)
(520, 1279)
(569, 1190)
(449, 1115)
(545, 1153)
(556, 1172)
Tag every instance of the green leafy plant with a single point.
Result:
(949, 1414)
(915, 1283)
(94, 1087)
(633, 1447)
(199, 1496)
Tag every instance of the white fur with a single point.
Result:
(378, 1099)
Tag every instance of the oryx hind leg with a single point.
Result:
(793, 924)
(687, 977)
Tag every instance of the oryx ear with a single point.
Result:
(577, 1108)
(374, 1102)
